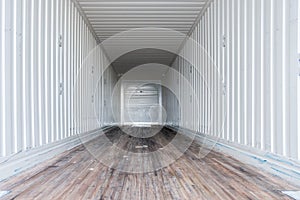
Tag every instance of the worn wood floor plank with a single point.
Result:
(78, 174)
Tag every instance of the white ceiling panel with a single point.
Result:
(107, 18)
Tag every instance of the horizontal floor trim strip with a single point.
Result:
(277, 165)
(13, 165)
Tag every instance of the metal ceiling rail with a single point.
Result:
(86, 20)
(107, 18)
(207, 4)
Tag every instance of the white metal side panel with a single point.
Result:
(291, 143)
(42, 46)
(298, 81)
(2, 88)
(254, 44)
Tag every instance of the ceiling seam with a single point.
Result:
(199, 17)
(83, 15)
(98, 36)
(197, 20)
(98, 41)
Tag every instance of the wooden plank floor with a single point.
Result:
(77, 174)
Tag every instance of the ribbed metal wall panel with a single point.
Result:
(298, 82)
(254, 45)
(43, 45)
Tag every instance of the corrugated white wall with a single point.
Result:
(42, 46)
(298, 84)
(254, 45)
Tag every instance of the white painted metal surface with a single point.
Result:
(141, 103)
(43, 46)
(110, 17)
(293, 194)
(254, 45)
(298, 83)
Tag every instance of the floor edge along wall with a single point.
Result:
(249, 55)
(251, 62)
